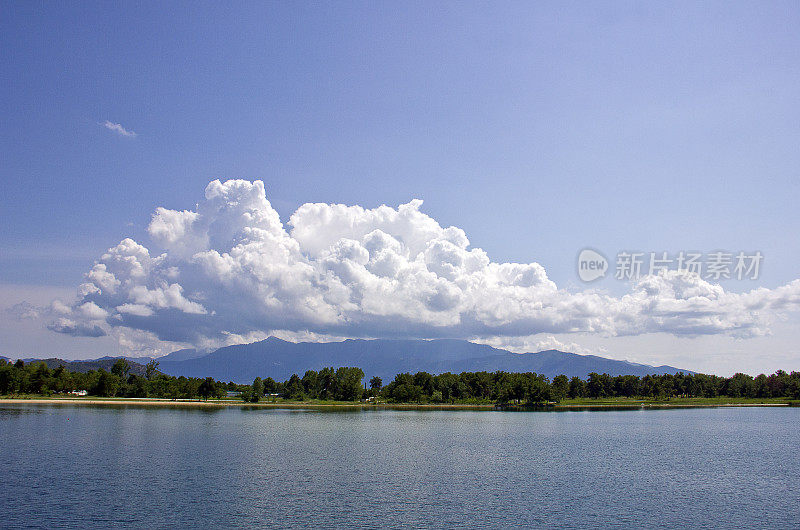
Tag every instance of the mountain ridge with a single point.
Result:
(385, 358)
(87, 365)
(279, 359)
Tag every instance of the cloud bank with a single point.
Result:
(230, 270)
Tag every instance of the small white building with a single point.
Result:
(79, 392)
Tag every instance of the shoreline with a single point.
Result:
(219, 404)
(228, 404)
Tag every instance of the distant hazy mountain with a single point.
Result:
(178, 355)
(385, 358)
(88, 365)
(182, 355)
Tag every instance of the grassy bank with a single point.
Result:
(676, 402)
(275, 404)
(570, 404)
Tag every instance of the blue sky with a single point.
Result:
(537, 128)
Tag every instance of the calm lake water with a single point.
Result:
(67, 466)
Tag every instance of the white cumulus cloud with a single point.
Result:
(76, 329)
(231, 270)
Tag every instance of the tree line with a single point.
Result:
(345, 384)
(341, 384)
(37, 378)
(532, 388)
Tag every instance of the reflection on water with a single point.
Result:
(16, 411)
(241, 467)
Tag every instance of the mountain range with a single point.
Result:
(136, 366)
(280, 359)
(385, 358)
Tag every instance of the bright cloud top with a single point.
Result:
(231, 269)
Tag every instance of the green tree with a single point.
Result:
(270, 386)
(348, 383)
(258, 390)
(793, 385)
(107, 384)
(121, 368)
(560, 387)
(537, 388)
(376, 383)
(39, 379)
(403, 389)
(326, 383)
(137, 386)
(479, 384)
(62, 380)
(294, 388)
(626, 385)
(151, 369)
(778, 384)
(7, 379)
(173, 390)
(599, 385)
(189, 387)
(447, 384)
(207, 388)
(424, 380)
(740, 385)
(311, 384)
(577, 387)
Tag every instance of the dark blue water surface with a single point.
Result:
(100, 467)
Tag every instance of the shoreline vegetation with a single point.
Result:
(345, 388)
(567, 405)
